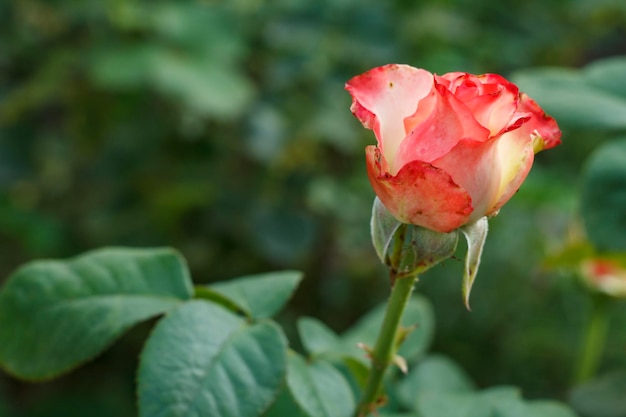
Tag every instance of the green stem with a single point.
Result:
(387, 344)
(594, 339)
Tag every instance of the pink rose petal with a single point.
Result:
(515, 157)
(473, 165)
(383, 97)
(434, 136)
(540, 123)
(491, 99)
(420, 194)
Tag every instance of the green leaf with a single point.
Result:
(202, 360)
(439, 404)
(499, 401)
(602, 397)
(476, 235)
(501, 395)
(258, 296)
(203, 84)
(206, 293)
(56, 314)
(357, 370)
(418, 314)
(121, 67)
(604, 197)
(567, 96)
(544, 408)
(316, 337)
(608, 74)
(284, 406)
(385, 414)
(436, 373)
(507, 401)
(318, 388)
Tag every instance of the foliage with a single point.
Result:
(202, 358)
(604, 196)
(602, 397)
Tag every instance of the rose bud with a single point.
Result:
(452, 148)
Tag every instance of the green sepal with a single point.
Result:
(475, 234)
(405, 248)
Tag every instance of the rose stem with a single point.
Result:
(387, 344)
(594, 339)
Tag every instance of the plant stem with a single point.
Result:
(594, 339)
(387, 343)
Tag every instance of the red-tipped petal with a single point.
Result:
(491, 98)
(384, 96)
(540, 123)
(420, 194)
(448, 123)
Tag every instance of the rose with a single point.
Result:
(452, 148)
(605, 275)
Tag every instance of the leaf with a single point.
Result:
(259, 296)
(499, 401)
(206, 293)
(501, 395)
(284, 406)
(608, 74)
(544, 408)
(504, 401)
(204, 85)
(357, 371)
(316, 337)
(202, 360)
(436, 373)
(604, 197)
(567, 96)
(385, 414)
(602, 397)
(318, 388)
(507, 401)
(475, 234)
(439, 404)
(57, 314)
(121, 67)
(418, 313)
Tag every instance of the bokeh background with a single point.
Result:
(222, 129)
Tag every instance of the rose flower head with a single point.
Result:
(452, 148)
(605, 275)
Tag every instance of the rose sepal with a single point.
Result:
(475, 234)
(407, 249)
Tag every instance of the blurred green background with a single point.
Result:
(222, 129)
